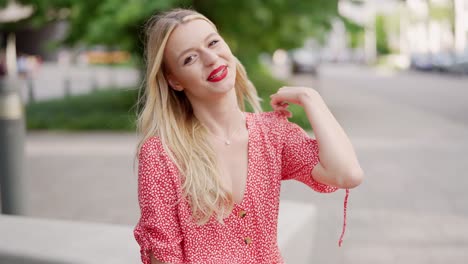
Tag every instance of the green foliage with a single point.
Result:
(381, 35)
(355, 32)
(115, 23)
(442, 12)
(44, 12)
(249, 26)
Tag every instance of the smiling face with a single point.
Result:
(198, 61)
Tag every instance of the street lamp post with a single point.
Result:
(12, 129)
(12, 133)
(461, 27)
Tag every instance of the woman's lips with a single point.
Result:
(218, 74)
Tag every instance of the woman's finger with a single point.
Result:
(275, 99)
(286, 113)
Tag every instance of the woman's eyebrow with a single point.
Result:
(189, 49)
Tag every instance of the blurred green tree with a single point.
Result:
(355, 33)
(116, 24)
(249, 26)
(444, 11)
(381, 35)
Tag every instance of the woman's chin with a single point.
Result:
(224, 85)
(223, 89)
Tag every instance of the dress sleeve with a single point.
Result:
(300, 154)
(158, 230)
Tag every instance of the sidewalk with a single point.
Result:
(413, 205)
(82, 176)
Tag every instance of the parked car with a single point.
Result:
(460, 64)
(305, 60)
(442, 61)
(421, 62)
(446, 62)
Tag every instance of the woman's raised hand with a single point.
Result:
(290, 94)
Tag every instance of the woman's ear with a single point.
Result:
(174, 83)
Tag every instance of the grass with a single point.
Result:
(114, 109)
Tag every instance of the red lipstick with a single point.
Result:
(218, 74)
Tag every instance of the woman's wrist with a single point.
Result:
(308, 97)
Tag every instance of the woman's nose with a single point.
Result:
(209, 56)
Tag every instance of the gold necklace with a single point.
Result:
(227, 141)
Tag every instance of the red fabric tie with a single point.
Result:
(340, 242)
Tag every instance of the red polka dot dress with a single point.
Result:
(277, 150)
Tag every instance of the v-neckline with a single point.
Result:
(249, 150)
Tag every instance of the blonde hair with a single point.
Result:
(168, 114)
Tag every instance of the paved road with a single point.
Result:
(411, 135)
(410, 132)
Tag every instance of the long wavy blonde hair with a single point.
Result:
(168, 114)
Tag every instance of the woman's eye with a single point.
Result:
(188, 59)
(213, 42)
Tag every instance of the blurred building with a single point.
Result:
(364, 13)
(426, 27)
(336, 46)
(461, 25)
(422, 26)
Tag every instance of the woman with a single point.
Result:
(209, 173)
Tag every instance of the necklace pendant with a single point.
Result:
(227, 142)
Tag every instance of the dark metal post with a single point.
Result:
(66, 87)
(94, 83)
(12, 133)
(30, 84)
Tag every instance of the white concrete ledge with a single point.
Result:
(33, 241)
(296, 231)
(28, 240)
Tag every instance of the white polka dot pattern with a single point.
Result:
(277, 150)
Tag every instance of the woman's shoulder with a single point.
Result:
(273, 119)
(269, 124)
(151, 144)
(269, 117)
(152, 152)
(152, 147)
